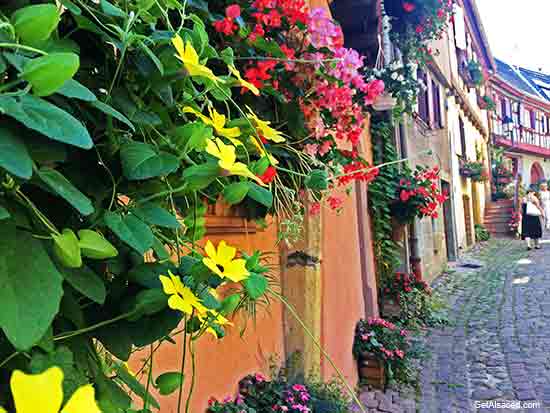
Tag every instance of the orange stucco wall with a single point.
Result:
(220, 364)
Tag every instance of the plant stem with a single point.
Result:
(22, 47)
(193, 371)
(9, 358)
(293, 312)
(149, 375)
(92, 327)
(182, 367)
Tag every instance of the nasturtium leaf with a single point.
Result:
(87, 282)
(259, 167)
(40, 115)
(66, 190)
(149, 329)
(130, 230)
(147, 274)
(235, 193)
(147, 302)
(14, 156)
(168, 383)
(230, 304)
(269, 46)
(192, 136)
(4, 213)
(66, 248)
(317, 180)
(259, 194)
(73, 89)
(228, 56)
(141, 161)
(94, 245)
(133, 384)
(116, 339)
(73, 8)
(109, 110)
(155, 215)
(48, 73)
(34, 24)
(255, 285)
(111, 10)
(30, 287)
(200, 176)
(160, 250)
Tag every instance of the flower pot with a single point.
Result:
(384, 103)
(465, 172)
(371, 370)
(390, 309)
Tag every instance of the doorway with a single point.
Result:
(468, 220)
(450, 236)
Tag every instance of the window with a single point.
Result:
(423, 97)
(533, 119)
(436, 98)
(462, 136)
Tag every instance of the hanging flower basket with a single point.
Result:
(371, 370)
(466, 172)
(384, 102)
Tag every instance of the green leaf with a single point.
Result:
(73, 8)
(131, 230)
(45, 151)
(66, 190)
(116, 339)
(230, 304)
(109, 110)
(48, 73)
(228, 56)
(260, 194)
(153, 57)
(4, 213)
(317, 180)
(168, 383)
(140, 161)
(30, 289)
(235, 193)
(94, 245)
(14, 157)
(34, 24)
(147, 274)
(152, 328)
(129, 380)
(255, 285)
(73, 89)
(87, 282)
(200, 176)
(48, 119)
(63, 358)
(110, 397)
(271, 47)
(66, 248)
(192, 136)
(160, 250)
(155, 215)
(111, 10)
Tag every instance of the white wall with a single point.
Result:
(527, 162)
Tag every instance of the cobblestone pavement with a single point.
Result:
(497, 346)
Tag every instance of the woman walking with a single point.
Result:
(531, 227)
(544, 194)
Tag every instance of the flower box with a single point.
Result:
(372, 371)
(466, 172)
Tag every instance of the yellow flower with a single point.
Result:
(33, 393)
(243, 82)
(213, 317)
(228, 160)
(190, 59)
(181, 297)
(264, 129)
(217, 121)
(222, 262)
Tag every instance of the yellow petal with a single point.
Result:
(210, 250)
(2, 410)
(167, 285)
(82, 401)
(241, 169)
(196, 69)
(190, 55)
(236, 270)
(205, 119)
(211, 264)
(176, 280)
(213, 149)
(243, 82)
(227, 152)
(175, 302)
(34, 393)
(225, 253)
(177, 41)
(231, 139)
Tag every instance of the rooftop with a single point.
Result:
(531, 82)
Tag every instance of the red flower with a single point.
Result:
(269, 175)
(419, 29)
(315, 208)
(405, 195)
(225, 26)
(409, 7)
(233, 11)
(335, 202)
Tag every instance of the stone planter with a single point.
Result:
(371, 371)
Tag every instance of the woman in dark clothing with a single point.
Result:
(531, 224)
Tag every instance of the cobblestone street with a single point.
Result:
(496, 347)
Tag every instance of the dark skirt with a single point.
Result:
(531, 227)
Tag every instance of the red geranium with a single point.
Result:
(269, 175)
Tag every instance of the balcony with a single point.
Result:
(518, 138)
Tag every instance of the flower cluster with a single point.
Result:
(418, 195)
(416, 22)
(514, 222)
(403, 283)
(385, 340)
(475, 170)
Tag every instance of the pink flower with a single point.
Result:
(315, 209)
(399, 353)
(335, 202)
(311, 149)
(323, 32)
(233, 11)
(374, 89)
(409, 7)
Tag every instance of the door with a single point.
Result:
(450, 237)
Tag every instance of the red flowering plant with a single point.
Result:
(312, 89)
(418, 195)
(417, 22)
(514, 222)
(385, 340)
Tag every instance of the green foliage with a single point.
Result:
(481, 233)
